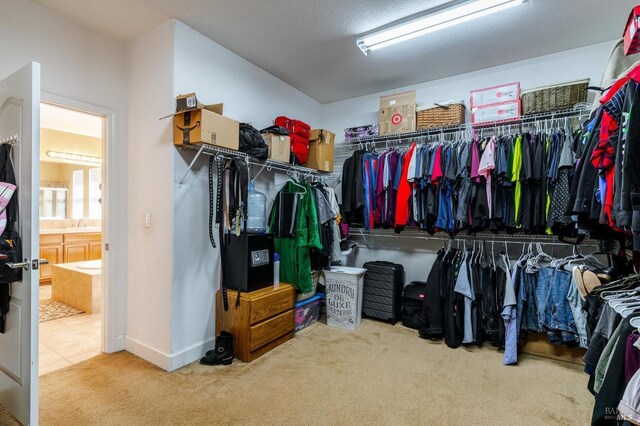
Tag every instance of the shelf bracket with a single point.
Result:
(192, 163)
(260, 171)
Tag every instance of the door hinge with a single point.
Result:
(106, 246)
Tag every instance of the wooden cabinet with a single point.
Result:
(76, 252)
(95, 250)
(50, 249)
(66, 248)
(263, 320)
(79, 247)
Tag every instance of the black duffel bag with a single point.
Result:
(252, 142)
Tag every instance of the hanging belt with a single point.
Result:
(232, 181)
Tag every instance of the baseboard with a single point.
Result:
(116, 345)
(168, 362)
(190, 354)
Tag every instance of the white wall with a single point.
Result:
(576, 64)
(83, 66)
(416, 254)
(251, 95)
(150, 263)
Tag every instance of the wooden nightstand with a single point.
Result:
(263, 320)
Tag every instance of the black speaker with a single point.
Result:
(247, 261)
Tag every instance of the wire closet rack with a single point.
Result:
(293, 170)
(539, 122)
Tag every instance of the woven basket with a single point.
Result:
(440, 115)
(554, 98)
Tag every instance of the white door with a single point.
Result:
(20, 117)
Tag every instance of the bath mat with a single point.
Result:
(52, 309)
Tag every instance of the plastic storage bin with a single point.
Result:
(343, 288)
(307, 312)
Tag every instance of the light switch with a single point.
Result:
(147, 220)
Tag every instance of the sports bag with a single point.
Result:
(412, 303)
(252, 142)
(299, 149)
(295, 127)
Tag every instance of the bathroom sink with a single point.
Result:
(90, 264)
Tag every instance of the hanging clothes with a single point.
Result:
(294, 251)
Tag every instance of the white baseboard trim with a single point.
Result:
(168, 362)
(115, 345)
(191, 353)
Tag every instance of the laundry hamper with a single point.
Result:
(440, 115)
(344, 297)
(554, 98)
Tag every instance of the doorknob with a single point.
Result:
(35, 263)
(25, 265)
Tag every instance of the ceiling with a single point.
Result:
(70, 121)
(311, 44)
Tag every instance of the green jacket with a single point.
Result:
(295, 264)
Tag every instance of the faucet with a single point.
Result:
(80, 222)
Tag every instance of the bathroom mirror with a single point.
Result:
(53, 203)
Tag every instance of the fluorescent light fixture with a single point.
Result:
(74, 157)
(432, 22)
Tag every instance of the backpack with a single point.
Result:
(252, 143)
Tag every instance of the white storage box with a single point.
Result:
(344, 297)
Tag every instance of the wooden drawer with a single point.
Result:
(50, 239)
(263, 320)
(82, 238)
(271, 304)
(270, 330)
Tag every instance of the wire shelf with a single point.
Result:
(579, 111)
(269, 165)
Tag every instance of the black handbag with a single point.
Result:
(10, 246)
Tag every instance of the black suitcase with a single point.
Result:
(412, 301)
(382, 291)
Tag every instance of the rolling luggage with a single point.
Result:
(412, 301)
(382, 291)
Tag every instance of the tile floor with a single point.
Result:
(67, 341)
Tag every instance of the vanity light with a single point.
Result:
(431, 22)
(74, 157)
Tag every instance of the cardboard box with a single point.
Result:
(195, 123)
(631, 35)
(279, 146)
(498, 112)
(398, 113)
(321, 150)
(494, 95)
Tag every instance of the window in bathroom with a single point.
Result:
(95, 202)
(78, 194)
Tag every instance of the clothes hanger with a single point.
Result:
(304, 189)
(635, 322)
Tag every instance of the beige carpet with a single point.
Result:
(379, 374)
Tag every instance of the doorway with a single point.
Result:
(72, 172)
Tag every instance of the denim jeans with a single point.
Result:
(529, 308)
(545, 278)
(580, 316)
(554, 311)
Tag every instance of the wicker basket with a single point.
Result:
(440, 115)
(554, 98)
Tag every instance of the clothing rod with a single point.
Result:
(9, 140)
(484, 127)
(512, 239)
